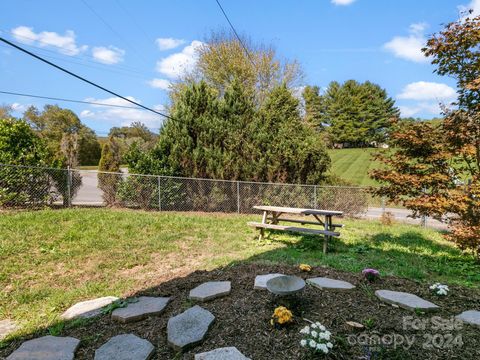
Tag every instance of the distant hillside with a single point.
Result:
(353, 165)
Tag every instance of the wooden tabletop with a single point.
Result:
(298, 211)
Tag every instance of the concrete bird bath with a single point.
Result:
(285, 285)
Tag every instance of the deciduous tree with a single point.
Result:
(435, 169)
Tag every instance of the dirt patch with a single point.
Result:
(243, 319)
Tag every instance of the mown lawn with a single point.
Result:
(51, 259)
(353, 165)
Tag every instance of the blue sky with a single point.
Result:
(137, 47)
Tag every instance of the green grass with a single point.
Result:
(353, 165)
(51, 259)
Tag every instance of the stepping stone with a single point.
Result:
(88, 309)
(261, 281)
(144, 307)
(6, 327)
(46, 348)
(189, 328)
(125, 347)
(226, 353)
(471, 317)
(405, 300)
(210, 290)
(331, 284)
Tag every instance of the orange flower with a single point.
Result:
(305, 267)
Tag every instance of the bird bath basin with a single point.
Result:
(285, 285)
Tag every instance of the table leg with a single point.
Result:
(326, 239)
(262, 230)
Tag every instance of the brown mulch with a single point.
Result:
(243, 319)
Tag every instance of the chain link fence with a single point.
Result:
(36, 187)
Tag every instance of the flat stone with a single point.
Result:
(226, 353)
(210, 290)
(471, 317)
(330, 284)
(88, 309)
(7, 327)
(285, 285)
(46, 348)
(189, 328)
(261, 281)
(125, 347)
(144, 307)
(405, 300)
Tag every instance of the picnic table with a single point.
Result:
(272, 215)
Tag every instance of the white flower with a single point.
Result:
(313, 344)
(314, 326)
(323, 348)
(321, 327)
(314, 334)
(329, 345)
(305, 330)
(303, 342)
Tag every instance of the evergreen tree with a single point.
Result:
(313, 106)
(358, 114)
(230, 138)
(109, 163)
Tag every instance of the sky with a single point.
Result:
(138, 48)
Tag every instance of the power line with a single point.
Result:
(235, 32)
(113, 30)
(84, 57)
(82, 78)
(137, 24)
(68, 100)
(92, 65)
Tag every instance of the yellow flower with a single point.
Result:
(282, 315)
(305, 267)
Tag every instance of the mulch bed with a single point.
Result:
(243, 319)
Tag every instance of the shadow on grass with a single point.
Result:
(243, 317)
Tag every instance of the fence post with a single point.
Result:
(69, 187)
(383, 204)
(315, 204)
(159, 194)
(238, 197)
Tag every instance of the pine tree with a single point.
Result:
(313, 106)
(109, 163)
(358, 114)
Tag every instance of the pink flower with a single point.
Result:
(371, 274)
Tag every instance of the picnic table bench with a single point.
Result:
(272, 215)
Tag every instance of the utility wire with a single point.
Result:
(92, 66)
(82, 78)
(113, 30)
(68, 100)
(235, 32)
(84, 57)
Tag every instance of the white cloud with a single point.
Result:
(178, 64)
(409, 47)
(108, 55)
(424, 90)
(422, 107)
(168, 43)
(18, 107)
(121, 116)
(66, 44)
(160, 84)
(473, 5)
(342, 2)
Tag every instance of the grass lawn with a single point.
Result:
(353, 165)
(51, 259)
